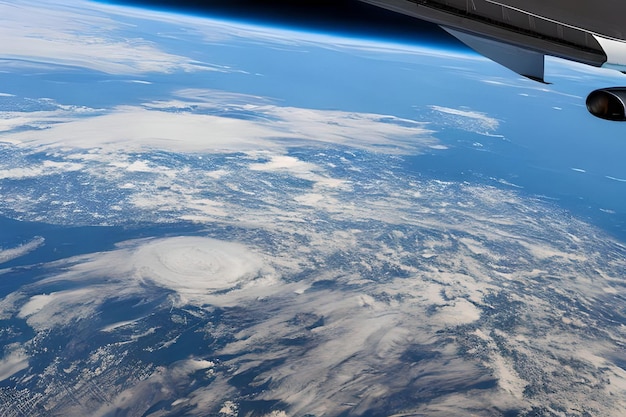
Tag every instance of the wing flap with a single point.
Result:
(528, 63)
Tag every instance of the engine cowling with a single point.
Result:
(608, 103)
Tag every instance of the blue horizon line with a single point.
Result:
(437, 43)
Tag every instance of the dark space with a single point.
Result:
(348, 17)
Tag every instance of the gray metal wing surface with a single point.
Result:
(602, 17)
(518, 33)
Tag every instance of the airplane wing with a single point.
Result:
(605, 17)
(519, 33)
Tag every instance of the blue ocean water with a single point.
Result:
(62, 242)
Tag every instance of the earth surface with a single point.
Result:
(207, 217)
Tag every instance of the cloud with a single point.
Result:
(40, 170)
(415, 294)
(90, 35)
(135, 128)
(7, 255)
(36, 304)
(15, 360)
(195, 268)
(469, 120)
(283, 163)
(322, 275)
(80, 34)
(272, 128)
(39, 120)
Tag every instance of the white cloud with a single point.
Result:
(471, 120)
(364, 285)
(381, 318)
(47, 311)
(285, 163)
(14, 361)
(36, 304)
(40, 170)
(7, 255)
(34, 120)
(134, 129)
(80, 34)
(90, 35)
(193, 267)
(196, 266)
(275, 128)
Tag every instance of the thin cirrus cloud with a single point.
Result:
(76, 35)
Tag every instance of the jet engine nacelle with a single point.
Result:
(608, 103)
